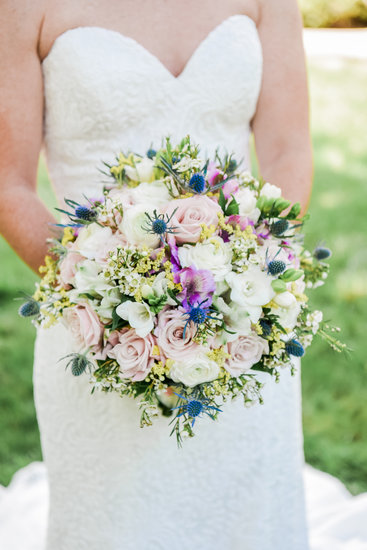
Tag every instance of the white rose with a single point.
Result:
(155, 193)
(236, 319)
(194, 370)
(213, 254)
(91, 239)
(142, 171)
(271, 191)
(133, 223)
(251, 290)
(138, 315)
(247, 204)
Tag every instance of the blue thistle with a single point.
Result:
(197, 183)
(232, 165)
(321, 253)
(29, 309)
(158, 224)
(85, 213)
(79, 363)
(198, 315)
(279, 227)
(151, 153)
(275, 267)
(194, 408)
(293, 347)
(265, 327)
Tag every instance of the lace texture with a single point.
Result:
(238, 484)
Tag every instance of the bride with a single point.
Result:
(85, 80)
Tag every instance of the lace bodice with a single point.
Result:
(104, 92)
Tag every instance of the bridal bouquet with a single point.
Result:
(181, 283)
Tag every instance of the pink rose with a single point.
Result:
(133, 354)
(68, 267)
(85, 326)
(189, 216)
(169, 332)
(245, 352)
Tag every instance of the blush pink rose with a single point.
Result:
(169, 332)
(68, 267)
(189, 216)
(245, 352)
(133, 354)
(85, 326)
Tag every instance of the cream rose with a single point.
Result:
(194, 370)
(245, 352)
(133, 354)
(189, 216)
(270, 191)
(94, 242)
(155, 194)
(247, 204)
(213, 254)
(142, 171)
(85, 327)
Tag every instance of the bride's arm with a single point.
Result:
(24, 220)
(281, 122)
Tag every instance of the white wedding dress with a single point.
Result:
(238, 484)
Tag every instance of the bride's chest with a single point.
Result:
(96, 78)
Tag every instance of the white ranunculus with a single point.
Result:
(142, 171)
(91, 239)
(88, 279)
(133, 223)
(213, 254)
(236, 319)
(155, 193)
(247, 204)
(271, 191)
(138, 315)
(194, 370)
(251, 290)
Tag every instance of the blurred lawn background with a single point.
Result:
(334, 386)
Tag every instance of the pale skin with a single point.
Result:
(171, 30)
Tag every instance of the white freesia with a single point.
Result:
(142, 171)
(138, 315)
(285, 299)
(157, 289)
(251, 289)
(109, 301)
(288, 309)
(89, 279)
(155, 193)
(194, 370)
(213, 254)
(270, 191)
(236, 319)
(133, 223)
(247, 204)
(92, 239)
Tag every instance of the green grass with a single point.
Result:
(334, 387)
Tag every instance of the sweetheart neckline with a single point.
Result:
(147, 52)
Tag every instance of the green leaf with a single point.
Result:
(278, 285)
(232, 208)
(291, 275)
(222, 201)
(294, 211)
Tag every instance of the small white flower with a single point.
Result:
(157, 289)
(236, 319)
(138, 315)
(213, 254)
(271, 191)
(142, 171)
(110, 300)
(194, 370)
(88, 278)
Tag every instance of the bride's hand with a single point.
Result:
(281, 123)
(24, 220)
